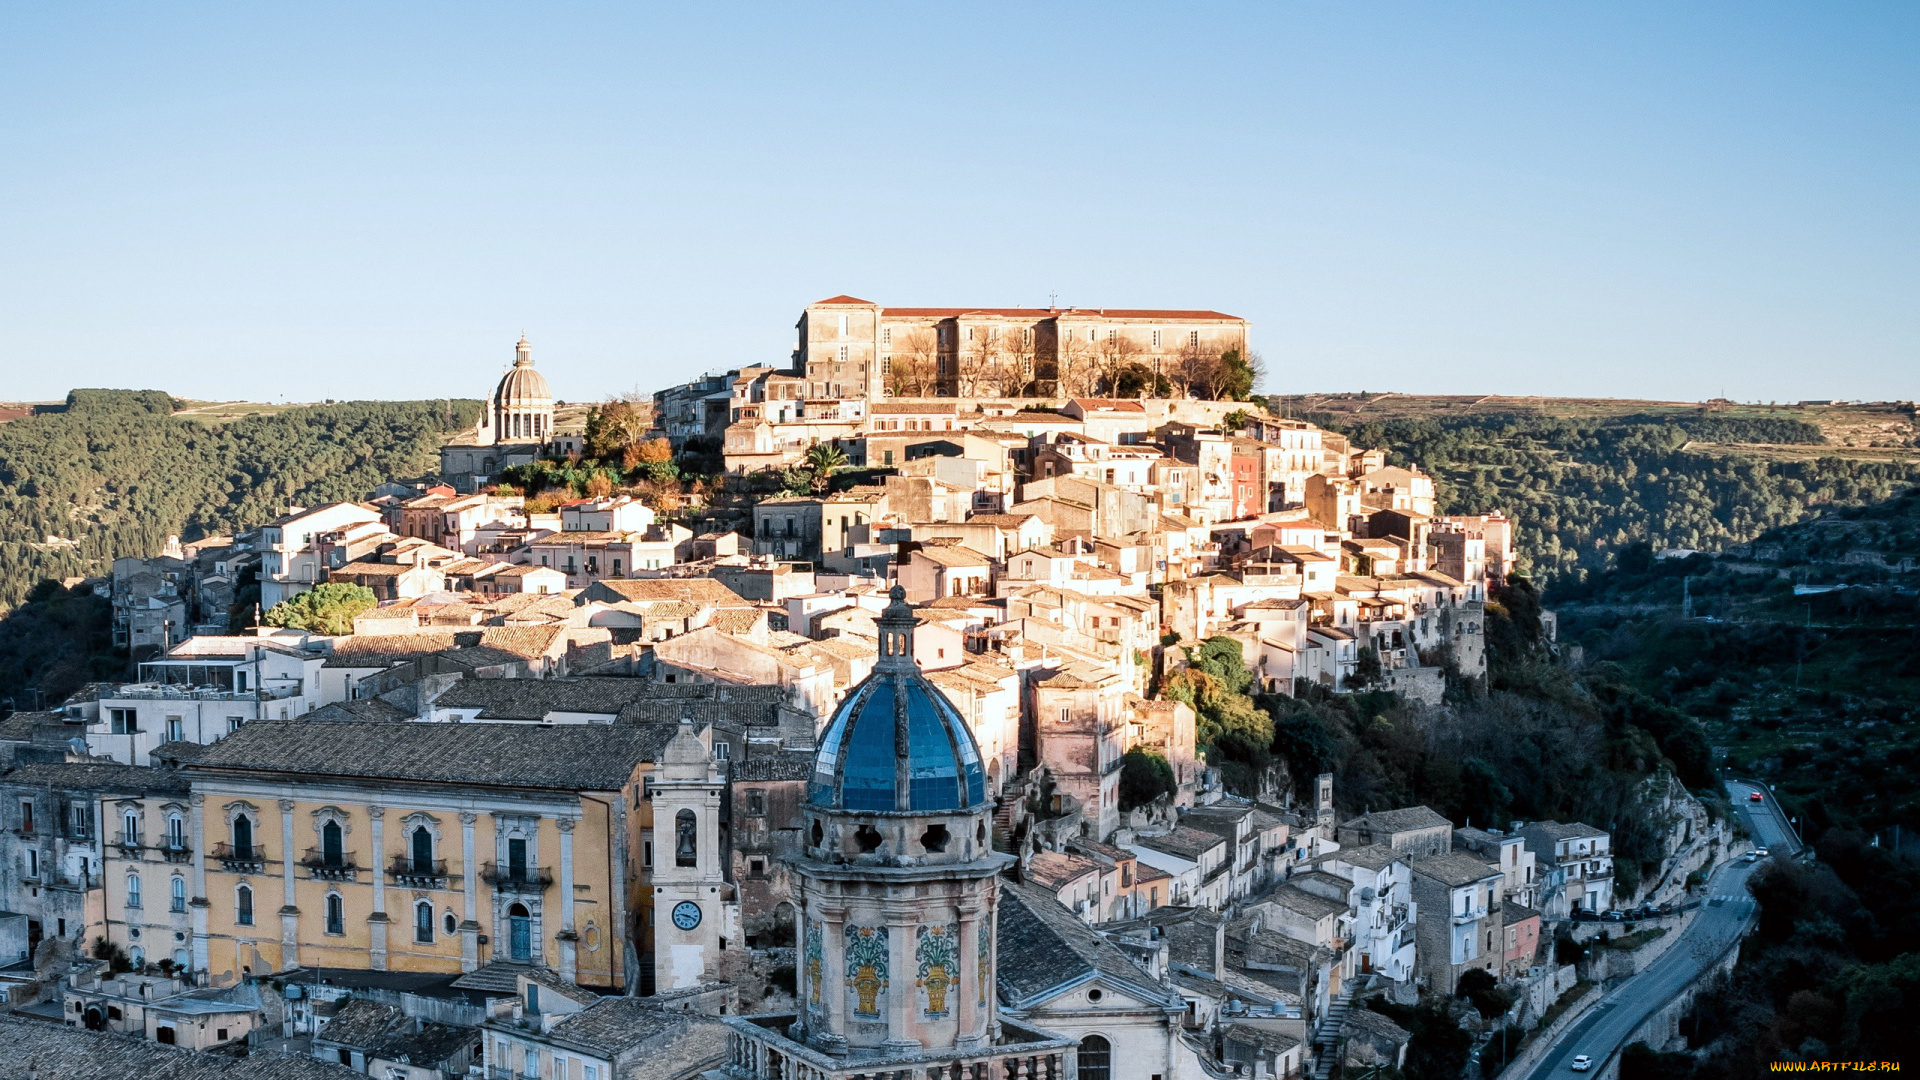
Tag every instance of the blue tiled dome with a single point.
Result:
(897, 729)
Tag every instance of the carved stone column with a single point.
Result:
(568, 939)
(967, 981)
(289, 913)
(903, 998)
(833, 978)
(470, 929)
(199, 902)
(378, 923)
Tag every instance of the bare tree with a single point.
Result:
(984, 368)
(1021, 352)
(914, 365)
(1115, 353)
(1076, 367)
(1198, 371)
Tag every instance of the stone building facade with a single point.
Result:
(853, 348)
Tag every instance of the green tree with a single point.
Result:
(324, 609)
(823, 460)
(1236, 734)
(1144, 777)
(1482, 989)
(1238, 373)
(1642, 1062)
(1367, 669)
(1438, 1048)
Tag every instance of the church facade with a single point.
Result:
(514, 428)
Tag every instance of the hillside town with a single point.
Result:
(764, 759)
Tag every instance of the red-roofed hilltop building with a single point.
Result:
(854, 348)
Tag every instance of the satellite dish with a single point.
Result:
(77, 744)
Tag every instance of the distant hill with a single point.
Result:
(114, 472)
(1797, 650)
(1586, 478)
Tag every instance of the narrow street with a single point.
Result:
(1608, 1027)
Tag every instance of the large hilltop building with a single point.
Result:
(854, 348)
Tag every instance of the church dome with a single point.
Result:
(896, 742)
(522, 387)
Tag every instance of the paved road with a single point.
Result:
(1605, 1029)
(1765, 820)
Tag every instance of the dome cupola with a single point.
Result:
(896, 744)
(522, 406)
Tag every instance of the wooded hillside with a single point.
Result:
(117, 472)
(1583, 488)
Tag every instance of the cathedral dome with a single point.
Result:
(896, 742)
(522, 387)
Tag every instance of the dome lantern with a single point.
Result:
(896, 743)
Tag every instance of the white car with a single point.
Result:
(1582, 1063)
(1762, 852)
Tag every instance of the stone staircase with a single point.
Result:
(1326, 1038)
(1006, 817)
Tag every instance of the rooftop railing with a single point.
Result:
(757, 1050)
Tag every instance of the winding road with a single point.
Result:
(1608, 1026)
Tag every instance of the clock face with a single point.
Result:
(686, 914)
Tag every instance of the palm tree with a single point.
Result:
(822, 460)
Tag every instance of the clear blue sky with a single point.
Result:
(280, 201)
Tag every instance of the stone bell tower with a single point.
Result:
(694, 907)
(897, 881)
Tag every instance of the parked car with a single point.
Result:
(1750, 857)
(1582, 1062)
(1615, 916)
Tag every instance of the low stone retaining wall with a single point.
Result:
(1539, 1042)
(1661, 1030)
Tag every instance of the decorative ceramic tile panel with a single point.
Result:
(938, 951)
(866, 967)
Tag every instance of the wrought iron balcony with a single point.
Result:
(517, 879)
(251, 859)
(418, 873)
(337, 866)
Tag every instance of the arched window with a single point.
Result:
(243, 906)
(423, 923)
(336, 915)
(176, 832)
(133, 890)
(1096, 1058)
(331, 851)
(130, 828)
(179, 899)
(243, 837)
(137, 957)
(423, 857)
(686, 845)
